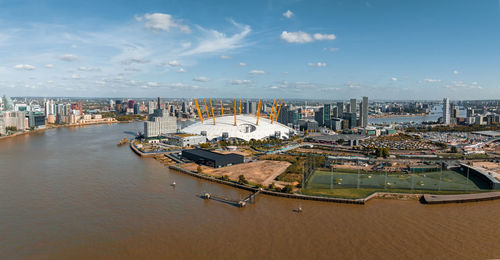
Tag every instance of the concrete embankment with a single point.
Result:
(268, 192)
(427, 198)
(460, 198)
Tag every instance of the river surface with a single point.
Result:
(433, 116)
(71, 193)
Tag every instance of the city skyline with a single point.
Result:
(298, 50)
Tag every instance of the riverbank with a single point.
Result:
(28, 132)
(447, 197)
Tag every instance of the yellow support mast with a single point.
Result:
(199, 111)
(272, 110)
(258, 112)
(240, 106)
(278, 114)
(212, 108)
(221, 108)
(206, 108)
(234, 112)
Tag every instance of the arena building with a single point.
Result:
(246, 128)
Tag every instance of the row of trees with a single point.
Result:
(382, 152)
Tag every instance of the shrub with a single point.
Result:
(242, 179)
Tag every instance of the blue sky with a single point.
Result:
(291, 49)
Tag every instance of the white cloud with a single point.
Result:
(296, 37)
(242, 64)
(432, 80)
(24, 67)
(174, 63)
(288, 14)
(394, 79)
(68, 57)
(201, 79)
(303, 37)
(76, 76)
(181, 70)
(225, 57)
(456, 72)
(257, 72)
(131, 61)
(49, 66)
(331, 49)
(317, 64)
(88, 69)
(240, 81)
(162, 22)
(322, 37)
(216, 42)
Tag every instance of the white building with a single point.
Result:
(15, 119)
(246, 128)
(184, 140)
(446, 111)
(160, 124)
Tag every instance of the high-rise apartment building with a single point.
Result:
(363, 114)
(352, 107)
(160, 124)
(446, 111)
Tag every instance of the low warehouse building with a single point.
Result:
(212, 159)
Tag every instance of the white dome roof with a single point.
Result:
(245, 129)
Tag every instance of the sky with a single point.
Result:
(384, 49)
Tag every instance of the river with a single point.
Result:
(71, 193)
(433, 116)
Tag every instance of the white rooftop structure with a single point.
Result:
(246, 128)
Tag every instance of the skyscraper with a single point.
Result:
(340, 109)
(363, 115)
(352, 107)
(326, 114)
(446, 111)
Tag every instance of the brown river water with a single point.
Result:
(71, 193)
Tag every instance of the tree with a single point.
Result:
(453, 149)
(287, 189)
(199, 169)
(340, 141)
(11, 128)
(242, 179)
(385, 152)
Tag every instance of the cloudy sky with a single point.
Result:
(292, 49)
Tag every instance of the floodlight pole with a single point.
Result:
(357, 162)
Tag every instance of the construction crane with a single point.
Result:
(199, 111)
(234, 112)
(278, 114)
(206, 108)
(240, 107)
(272, 110)
(258, 112)
(212, 108)
(221, 108)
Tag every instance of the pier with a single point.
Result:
(238, 203)
(460, 198)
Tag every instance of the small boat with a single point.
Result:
(299, 209)
(173, 184)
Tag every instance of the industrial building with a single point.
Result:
(212, 159)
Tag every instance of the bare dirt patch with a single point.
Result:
(260, 172)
